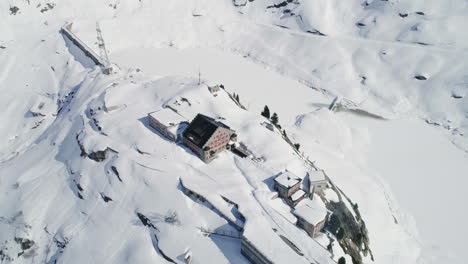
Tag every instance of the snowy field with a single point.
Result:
(405, 61)
(260, 86)
(426, 174)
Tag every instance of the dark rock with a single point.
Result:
(145, 221)
(83, 152)
(183, 99)
(49, 6)
(423, 44)
(403, 14)
(61, 243)
(281, 26)
(282, 4)
(114, 169)
(420, 77)
(14, 10)
(172, 218)
(106, 198)
(36, 113)
(4, 256)
(315, 32)
(24, 242)
(98, 156)
(363, 80)
(239, 2)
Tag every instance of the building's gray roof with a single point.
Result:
(201, 129)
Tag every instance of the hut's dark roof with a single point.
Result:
(201, 129)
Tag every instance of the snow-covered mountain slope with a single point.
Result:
(432, 23)
(404, 56)
(59, 205)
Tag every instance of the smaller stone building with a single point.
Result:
(311, 215)
(315, 182)
(167, 122)
(288, 186)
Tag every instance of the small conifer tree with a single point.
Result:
(342, 260)
(274, 119)
(266, 112)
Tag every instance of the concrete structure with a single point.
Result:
(288, 186)
(207, 137)
(167, 122)
(268, 125)
(311, 215)
(66, 30)
(250, 252)
(315, 182)
(214, 89)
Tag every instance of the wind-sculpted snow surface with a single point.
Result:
(426, 23)
(84, 179)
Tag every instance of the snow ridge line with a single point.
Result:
(411, 45)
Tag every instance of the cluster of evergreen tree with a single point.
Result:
(274, 118)
(236, 97)
(275, 121)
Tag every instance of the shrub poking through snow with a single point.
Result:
(172, 218)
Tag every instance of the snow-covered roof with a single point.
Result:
(167, 117)
(312, 211)
(315, 176)
(177, 129)
(297, 195)
(287, 179)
